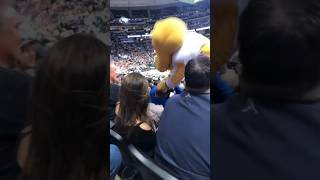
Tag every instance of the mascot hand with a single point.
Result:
(205, 50)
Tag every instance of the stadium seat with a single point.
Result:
(147, 168)
(116, 139)
(134, 159)
(111, 124)
(129, 169)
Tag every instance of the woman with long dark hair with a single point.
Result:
(132, 121)
(66, 139)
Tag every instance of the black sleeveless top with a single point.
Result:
(144, 140)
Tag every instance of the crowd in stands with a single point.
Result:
(52, 20)
(136, 54)
(132, 57)
(196, 15)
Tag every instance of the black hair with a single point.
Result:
(279, 44)
(197, 74)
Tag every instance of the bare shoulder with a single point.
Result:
(145, 127)
(117, 109)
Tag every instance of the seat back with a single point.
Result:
(123, 146)
(115, 138)
(147, 168)
(111, 124)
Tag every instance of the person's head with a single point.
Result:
(68, 111)
(113, 74)
(134, 99)
(9, 36)
(197, 75)
(29, 53)
(279, 43)
(155, 82)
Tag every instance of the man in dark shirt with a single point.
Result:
(271, 129)
(14, 93)
(183, 137)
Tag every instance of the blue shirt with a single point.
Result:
(221, 90)
(183, 137)
(265, 139)
(15, 88)
(157, 100)
(160, 100)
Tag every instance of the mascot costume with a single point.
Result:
(175, 47)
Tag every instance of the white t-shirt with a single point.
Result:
(190, 49)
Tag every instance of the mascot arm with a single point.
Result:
(173, 80)
(162, 64)
(177, 76)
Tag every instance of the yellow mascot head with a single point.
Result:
(167, 37)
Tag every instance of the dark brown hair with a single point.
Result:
(134, 100)
(68, 112)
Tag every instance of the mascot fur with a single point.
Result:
(175, 47)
